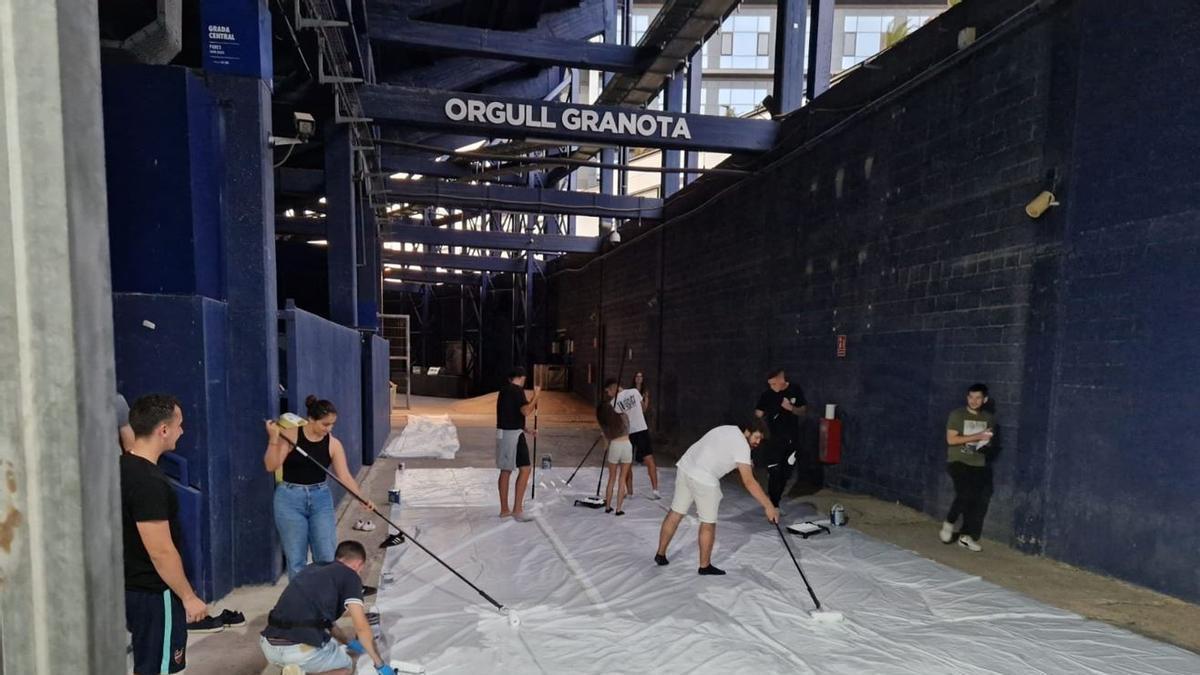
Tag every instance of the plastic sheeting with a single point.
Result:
(591, 599)
(425, 436)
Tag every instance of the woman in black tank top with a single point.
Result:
(304, 512)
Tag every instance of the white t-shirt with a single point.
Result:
(716, 453)
(629, 401)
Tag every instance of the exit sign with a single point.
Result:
(841, 346)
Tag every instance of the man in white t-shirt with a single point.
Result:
(698, 479)
(630, 402)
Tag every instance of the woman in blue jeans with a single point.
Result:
(303, 502)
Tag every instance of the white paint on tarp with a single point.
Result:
(425, 436)
(904, 614)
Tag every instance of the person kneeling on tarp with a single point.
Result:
(300, 635)
(698, 479)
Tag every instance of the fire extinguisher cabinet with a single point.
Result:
(829, 448)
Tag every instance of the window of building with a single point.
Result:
(746, 43)
(733, 99)
(641, 24)
(865, 35)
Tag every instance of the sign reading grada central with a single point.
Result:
(531, 116)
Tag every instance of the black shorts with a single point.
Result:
(522, 452)
(158, 627)
(641, 445)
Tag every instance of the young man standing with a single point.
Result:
(781, 406)
(512, 452)
(301, 636)
(159, 601)
(968, 431)
(630, 402)
(698, 479)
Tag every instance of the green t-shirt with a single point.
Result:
(968, 424)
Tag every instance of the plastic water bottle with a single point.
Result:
(546, 462)
(837, 515)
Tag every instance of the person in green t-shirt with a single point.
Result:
(968, 431)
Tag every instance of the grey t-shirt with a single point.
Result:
(122, 409)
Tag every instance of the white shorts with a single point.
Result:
(706, 497)
(620, 452)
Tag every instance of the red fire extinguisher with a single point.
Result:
(829, 448)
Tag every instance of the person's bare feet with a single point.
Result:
(505, 514)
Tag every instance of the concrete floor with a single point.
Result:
(567, 429)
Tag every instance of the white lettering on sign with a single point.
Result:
(218, 32)
(571, 118)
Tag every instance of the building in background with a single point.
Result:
(738, 66)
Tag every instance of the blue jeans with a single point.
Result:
(304, 517)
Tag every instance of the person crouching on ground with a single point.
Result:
(301, 636)
(615, 427)
(698, 479)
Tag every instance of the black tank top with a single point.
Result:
(301, 471)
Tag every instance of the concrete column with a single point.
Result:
(370, 269)
(62, 607)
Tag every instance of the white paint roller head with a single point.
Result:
(513, 620)
(826, 616)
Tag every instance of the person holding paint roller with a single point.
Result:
(698, 480)
(512, 451)
(782, 406)
(301, 636)
(615, 427)
(304, 512)
(635, 403)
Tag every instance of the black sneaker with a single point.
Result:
(394, 540)
(661, 559)
(209, 624)
(710, 570)
(369, 590)
(232, 618)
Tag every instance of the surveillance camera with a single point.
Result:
(1040, 204)
(306, 125)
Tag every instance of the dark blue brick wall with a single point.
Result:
(904, 230)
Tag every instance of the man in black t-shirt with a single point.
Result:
(159, 601)
(512, 452)
(300, 629)
(782, 406)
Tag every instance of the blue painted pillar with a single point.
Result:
(340, 225)
(695, 89)
(672, 159)
(370, 270)
(820, 47)
(248, 237)
(790, 55)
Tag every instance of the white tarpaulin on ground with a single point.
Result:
(425, 436)
(591, 599)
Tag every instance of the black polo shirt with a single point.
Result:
(508, 407)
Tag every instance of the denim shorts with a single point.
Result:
(329, 656)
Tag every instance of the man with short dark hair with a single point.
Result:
(512, 452)
(968, 431)
(781, 406)
(301, 636)
(159, 601)
(698, 480)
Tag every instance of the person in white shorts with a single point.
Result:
(698, 479)
(615, 427)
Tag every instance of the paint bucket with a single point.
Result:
(837, 515)
(394, 496)
(546, 462)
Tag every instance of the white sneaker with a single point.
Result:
(947, 533)
(292, 669)
(368, 526)
(969, 544)
(655, 495)
(358, 524)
